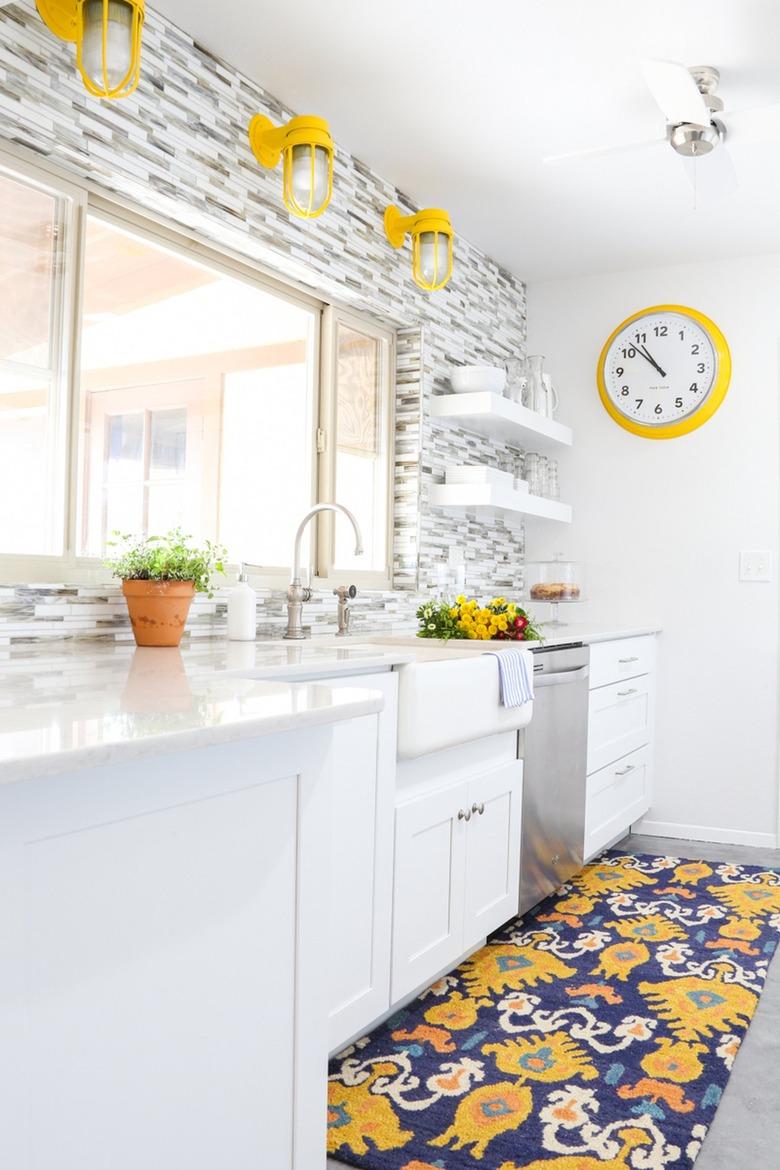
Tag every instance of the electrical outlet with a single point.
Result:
(755, 565)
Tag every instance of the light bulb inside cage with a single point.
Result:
(432, 259)
(308, 179)
(107, 35)
(306, 146)
(432, 244)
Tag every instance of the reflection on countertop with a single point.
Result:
(85, 703)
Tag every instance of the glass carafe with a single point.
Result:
(537, 391)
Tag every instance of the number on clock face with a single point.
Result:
(660, 368)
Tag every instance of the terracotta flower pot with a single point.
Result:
(158, 610)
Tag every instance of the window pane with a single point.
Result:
(24, 478)
(32, 388)
(361, 461)
(197, 390)
(28, 262)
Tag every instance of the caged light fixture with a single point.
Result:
(431, 232)
(306, 146)
(107, 35)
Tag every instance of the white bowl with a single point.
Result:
(469, 379)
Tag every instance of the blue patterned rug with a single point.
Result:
(596, 1034)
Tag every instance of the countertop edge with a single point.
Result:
(164, 743)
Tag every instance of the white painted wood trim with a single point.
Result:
(706, 833)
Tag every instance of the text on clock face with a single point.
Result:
(660, 368)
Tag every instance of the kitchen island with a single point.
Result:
(164, 844)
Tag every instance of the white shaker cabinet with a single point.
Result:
(361, 858)
(620, 738)
(161, 992)
(457, 869)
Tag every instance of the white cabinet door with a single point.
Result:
(492, 852)
(430, 851)
(619, 720)
(360, 899)
(617, 796)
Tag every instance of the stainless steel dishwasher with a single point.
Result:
(554, 772)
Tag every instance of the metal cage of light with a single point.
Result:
(433, 222)
(66, 19)
(298, 143)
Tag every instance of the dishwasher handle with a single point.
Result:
(561, 676)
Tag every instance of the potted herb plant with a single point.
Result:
(160, 576)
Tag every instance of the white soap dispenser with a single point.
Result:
(242, 611)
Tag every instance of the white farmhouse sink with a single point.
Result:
(450, 698)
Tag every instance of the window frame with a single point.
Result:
(16, 567)
(326, 573)
(87, 199)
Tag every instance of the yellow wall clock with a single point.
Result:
(664, 371)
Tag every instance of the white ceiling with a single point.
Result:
(457, 102)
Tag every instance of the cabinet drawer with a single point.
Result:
(625, 658)
(619, 718)
(616, 797)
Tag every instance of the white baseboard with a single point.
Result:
(705, 833)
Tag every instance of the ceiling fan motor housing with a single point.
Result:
(691, 140)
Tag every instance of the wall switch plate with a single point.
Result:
(755, 565)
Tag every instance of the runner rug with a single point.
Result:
(597, 1033)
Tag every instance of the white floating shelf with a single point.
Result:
(498, 418)
(469, 497)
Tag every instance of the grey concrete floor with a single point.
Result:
(745, 1134)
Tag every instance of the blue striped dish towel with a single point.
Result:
(516, 680)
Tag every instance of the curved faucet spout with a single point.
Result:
(296, 594)
(296, 572)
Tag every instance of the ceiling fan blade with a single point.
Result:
(713, 177)
(676, 92)
(757, 125)
(601, 151)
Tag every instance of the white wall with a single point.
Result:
(660, 526)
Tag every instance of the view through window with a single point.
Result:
(197, 401)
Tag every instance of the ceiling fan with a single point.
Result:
(695, 125)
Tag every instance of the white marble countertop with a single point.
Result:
(553, 636)
(82, 703)
(85, 703)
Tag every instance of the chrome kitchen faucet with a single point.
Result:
(296, 592)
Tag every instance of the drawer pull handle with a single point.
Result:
(478, 808)
(464, 814)
(625, 661)
(626, 770)
(630, 691)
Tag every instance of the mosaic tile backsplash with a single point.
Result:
(178, 149)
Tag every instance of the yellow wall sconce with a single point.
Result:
(432, 235)
(307, 147)
(107, 35)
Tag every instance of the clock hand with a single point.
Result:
(648, 357)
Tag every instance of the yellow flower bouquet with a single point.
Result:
(497, 619)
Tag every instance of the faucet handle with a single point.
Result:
(346, 591)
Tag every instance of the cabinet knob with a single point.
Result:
(478, 808)
(630, 691)
(464, 814)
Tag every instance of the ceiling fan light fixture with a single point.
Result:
(695, 141)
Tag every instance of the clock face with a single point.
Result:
(664, 372)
